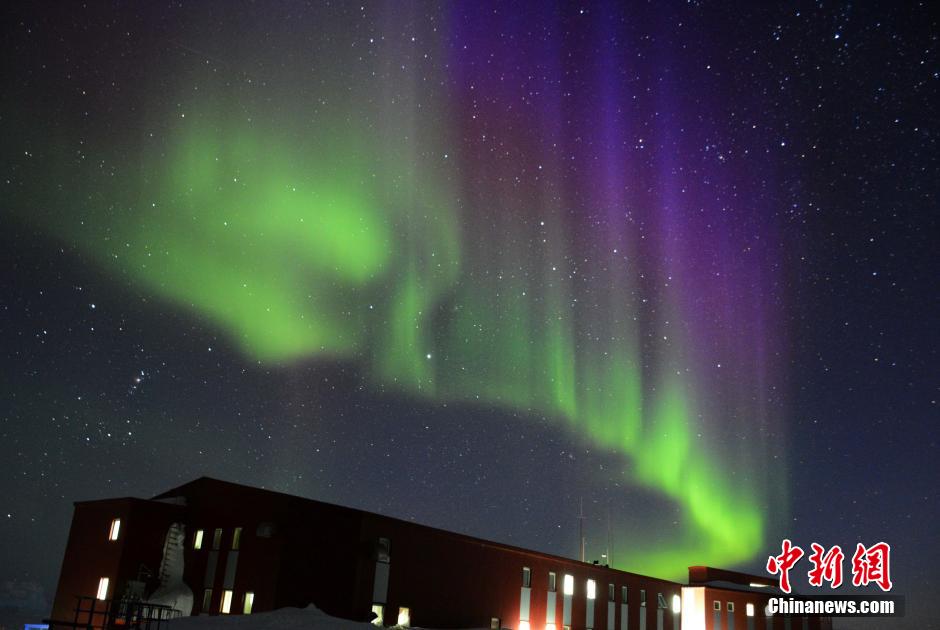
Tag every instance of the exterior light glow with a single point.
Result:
(569, 585)
(757, 585)
(693, 608)
(676, 604)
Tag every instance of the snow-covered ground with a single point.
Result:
(310, 618)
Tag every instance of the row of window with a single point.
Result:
(115, 532)
(225, 604)
(217, 534)
(591, 588)
(749, 608)
(403, 612)
(404, 616)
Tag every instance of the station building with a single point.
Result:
(214, 547)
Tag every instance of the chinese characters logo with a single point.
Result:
(870, 565)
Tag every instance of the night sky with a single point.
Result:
(469, 264)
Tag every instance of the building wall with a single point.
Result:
(218, 568)
(448, 580)
(90, 555)
(291, 552)
(759, 621)
(326, 555)
(294, 552)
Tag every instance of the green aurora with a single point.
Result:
(354, 241)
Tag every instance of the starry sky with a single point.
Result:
(472, 264)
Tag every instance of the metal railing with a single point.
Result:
(116, 614)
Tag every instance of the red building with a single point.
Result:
(213, 547)
(716, 599)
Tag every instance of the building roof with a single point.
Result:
(733, 580)
(202, 483)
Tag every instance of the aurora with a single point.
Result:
(457, 235)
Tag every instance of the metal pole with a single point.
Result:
(581, 527)
(610, 562)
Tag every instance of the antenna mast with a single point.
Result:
(610, 562)
(581, 527)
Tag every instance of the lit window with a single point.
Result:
(226, 605)
(379, 611)
(750, 610)
(404, 617)
(623, 594)
(115, 529)
(524, 625)
(103, 588)
(217, 539)
(236, 537)
(551, 581)
(206, 599)
(197, 539)
(249, 602)
(526, 577)
(676, 604)
(716, 605)
(549, 626)
(569, 585)
(591, 589)
(660, 601)
(642, 597)
(610, 592)
(730, 606)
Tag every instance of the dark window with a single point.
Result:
(623, 594)
(217, 539)
(526, 577)
(730, 606)
(660, 600)
(384, 550)
(642, 597)
(494, 623)
(610, 592)
(206, 599)
(236, 538)
(716, 605)
(265, 530)
(551, 582)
